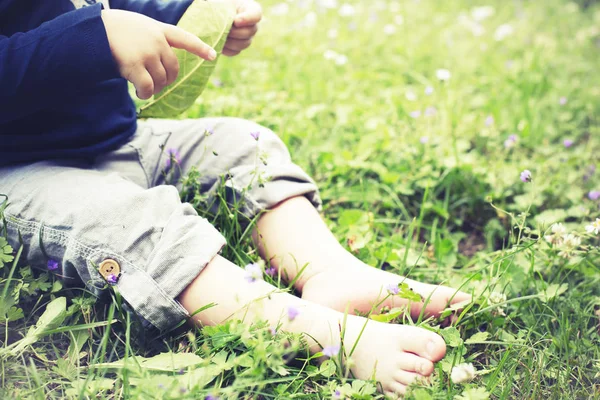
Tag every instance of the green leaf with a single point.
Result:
(327, 369)
(5, 252)
(211, 22)
(479, 337)
(388, 317)
(162, 362)
(473, 394)
(451, 336)
(55, 314)
(553, 290)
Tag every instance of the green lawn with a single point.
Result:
(418, 175)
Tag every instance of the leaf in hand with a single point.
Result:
(211, 22)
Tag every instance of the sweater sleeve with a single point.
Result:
(169, 11)
(60, 57)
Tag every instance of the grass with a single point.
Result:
(436, 197)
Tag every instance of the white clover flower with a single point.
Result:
(593, 227)
(347, 10)
(481, 13)
(443, 74)
(327, 3)
(569, 244)
(410, 95)
(558, 232)
(463, 373)
(330, 55)
(310, 20)
(389, 29)
(503, 31)
(497, 298)
(341, 59)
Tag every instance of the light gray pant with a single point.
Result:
(120, 207)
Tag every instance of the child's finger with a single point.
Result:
(251, 15)
(158, 73)
(177, 37)
(243, 33)
(171, 64)
(144, 85)
(238, 44)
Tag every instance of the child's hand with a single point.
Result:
(141, 46)
(245, 26)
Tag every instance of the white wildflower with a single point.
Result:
(389, 29)
(341, 59)
(347, 10)
(410, 95)
(497, 298)
(569, 245)
(558, 232)
(310, 20)
(398, 19)
(332, 33)
(593, 227)
(443, 74)
(463, 373)
(330, 55)
(503, 31)
(481, 13)
(327, 3)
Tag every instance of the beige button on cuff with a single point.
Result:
(109, 267)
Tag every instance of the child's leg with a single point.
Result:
(395, 355)
(293, 234)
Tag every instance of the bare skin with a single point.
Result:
(293, 235)
(333, 281)
(395, 355)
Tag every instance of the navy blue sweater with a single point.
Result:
(61, 95)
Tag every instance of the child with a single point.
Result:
(87, 190)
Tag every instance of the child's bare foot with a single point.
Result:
(362, 287)
(394, 355)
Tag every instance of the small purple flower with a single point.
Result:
(172, 155)
(112, 279)
(424, 140)
(52, 265)
(337, 394)
(594, 195)
(271, 271)
(526, 176)
(562, 101)
(430, 111)
(428, 90)
(273, 331)
(255, 135)
(209, 130)
(415, 114)
(253, 272)
(511, 141)
(392, 288)
(489, 121)
(292, 312)
(331, 351)
(568, 143)
(161, 386)
(211, 397)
